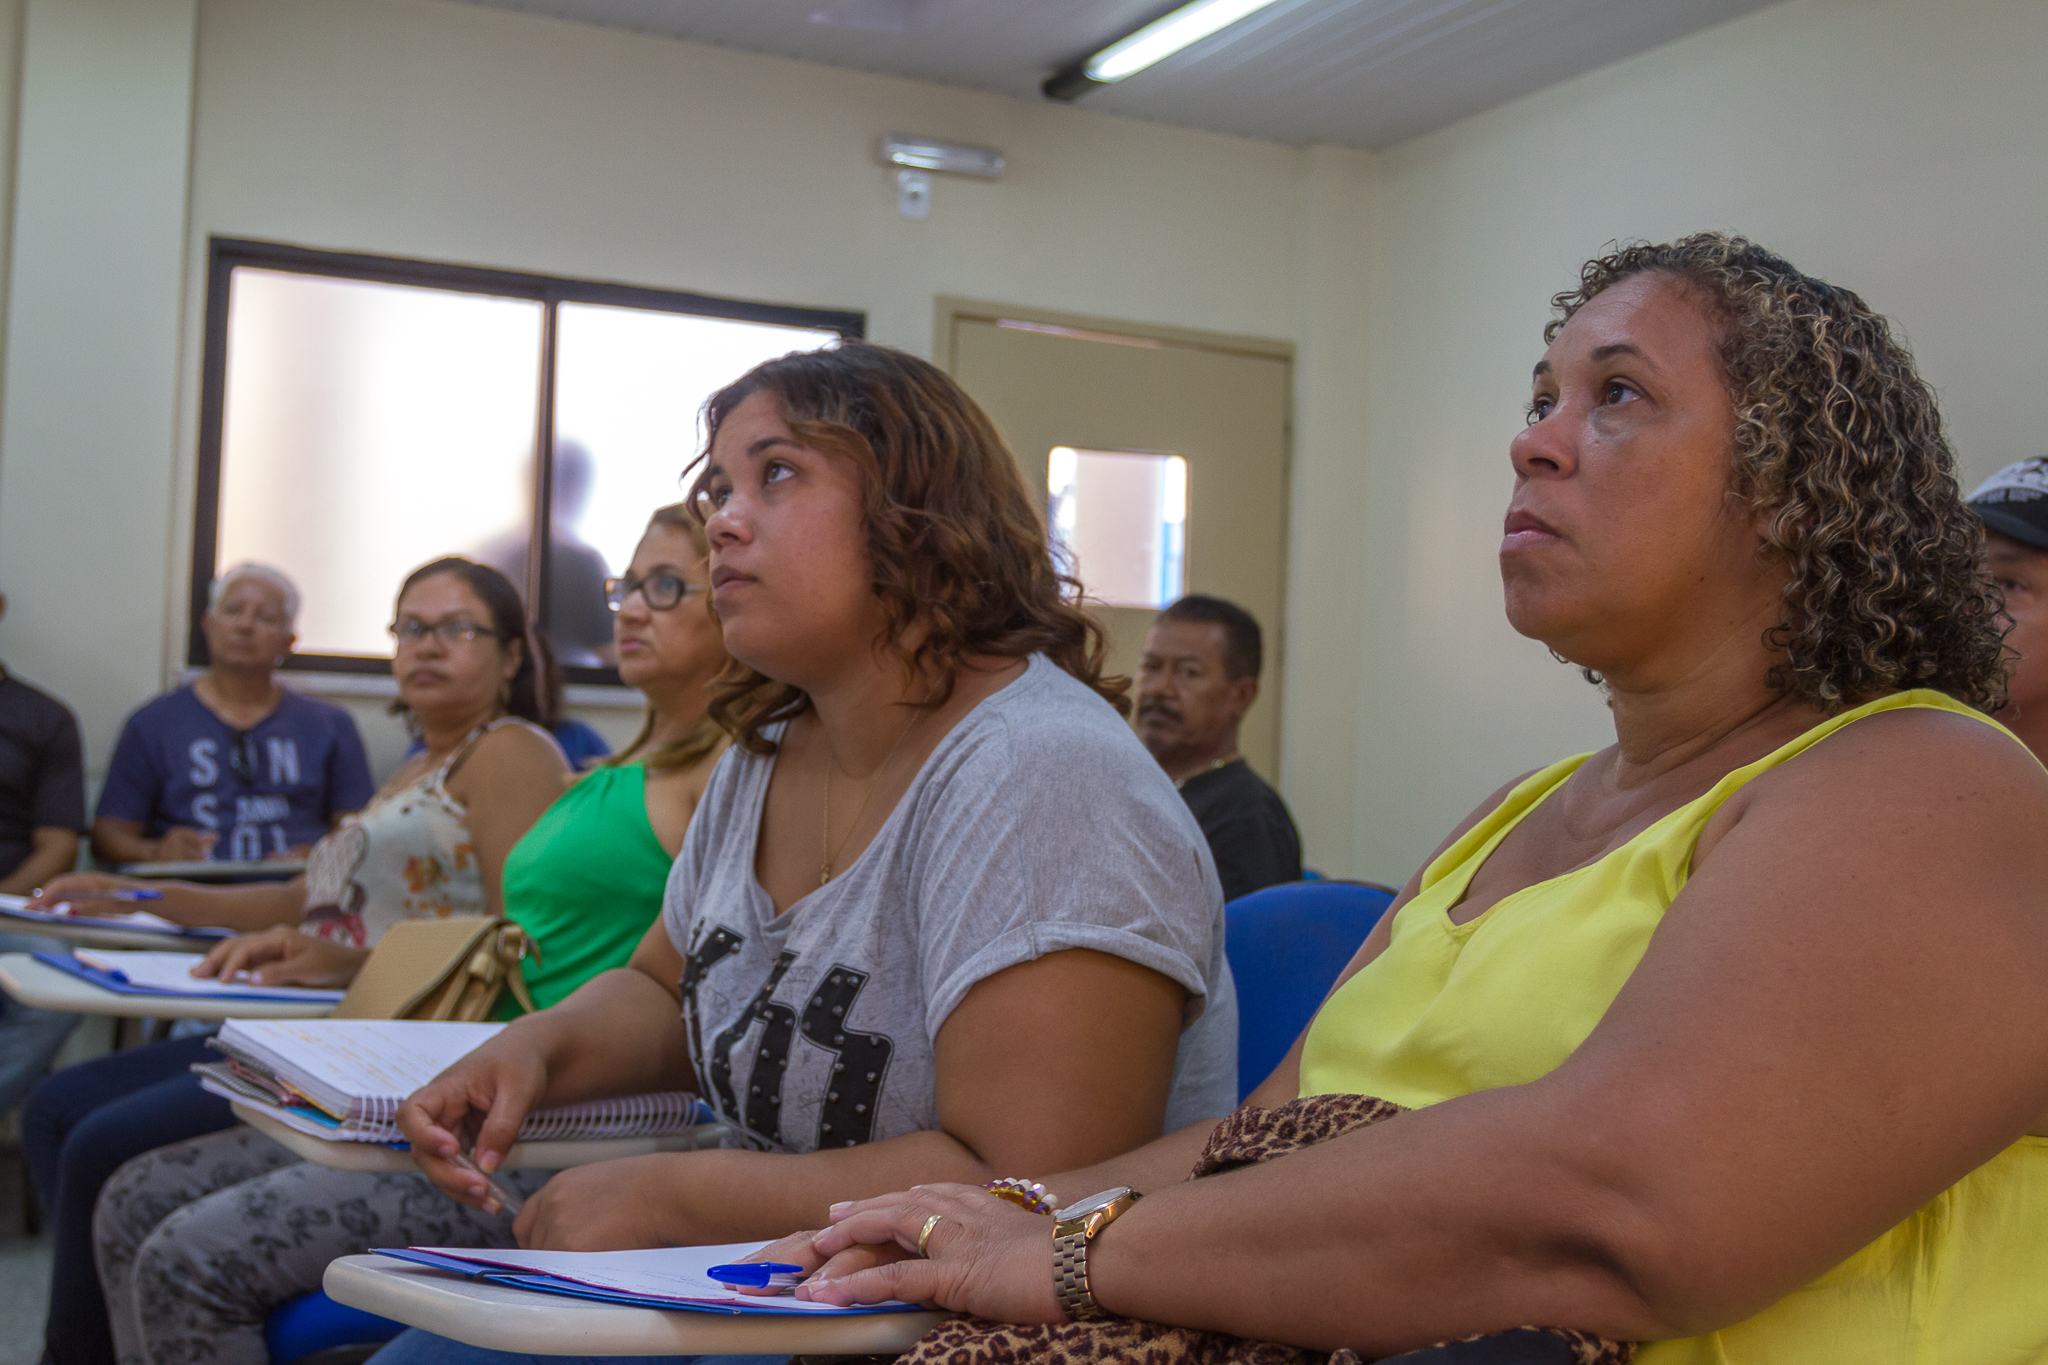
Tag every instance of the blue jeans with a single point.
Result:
(414, 1346)
(79, 1127)
(29, 1038)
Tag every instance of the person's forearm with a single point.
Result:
(51, 854)
(619, 1034)
(1369, 1241)
(245, 909)
(1160, 1162)
(736, 1196)
(121, 841)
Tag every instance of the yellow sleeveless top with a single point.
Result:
(1449, 1009)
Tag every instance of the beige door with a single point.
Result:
(1220, 404)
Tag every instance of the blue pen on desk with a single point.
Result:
(758, 1275)
(136, 893)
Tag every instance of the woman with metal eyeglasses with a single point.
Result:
(585, 882)
(473, 684)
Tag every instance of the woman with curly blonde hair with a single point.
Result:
(1722, 1044)
(938, 916)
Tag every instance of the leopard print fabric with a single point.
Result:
(1247, 1137)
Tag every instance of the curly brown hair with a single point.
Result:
(1839, 440)
(957, 545)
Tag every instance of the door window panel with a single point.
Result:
(1119, 518)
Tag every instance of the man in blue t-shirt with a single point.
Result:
(234, 767)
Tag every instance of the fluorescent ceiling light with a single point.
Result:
(927, 154)
(1162, 38)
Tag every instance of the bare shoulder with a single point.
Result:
(515, 752)
(1919, 787)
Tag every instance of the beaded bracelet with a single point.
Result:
(1028, 1195)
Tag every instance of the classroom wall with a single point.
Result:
(1893, 146)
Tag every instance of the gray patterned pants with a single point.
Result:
(198, 1242)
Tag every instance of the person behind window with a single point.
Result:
(579, 628)
(236, 766)
(1728, 1038)
(191, 1273)
(935, 853)
(1197, 677)
(2013, 505)
(472, 680)
(42, 813)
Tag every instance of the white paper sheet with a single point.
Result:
(667, 1272)
(172, 973)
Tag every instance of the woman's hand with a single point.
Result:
(488, 1093)
(986, 1256)
(620, 1205)
(80, 887)
(800, 1249)
(283, 957)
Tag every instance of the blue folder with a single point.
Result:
(550, 1284)
(119, 985)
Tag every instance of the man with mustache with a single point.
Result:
(1197, 678)
(2013, 505)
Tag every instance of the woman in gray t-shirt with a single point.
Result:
(939, 916)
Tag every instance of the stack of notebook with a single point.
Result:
(345, 1079)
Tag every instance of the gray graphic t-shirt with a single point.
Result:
(1038, 824)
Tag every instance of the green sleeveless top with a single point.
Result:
(1449, 1009)
(585, 882)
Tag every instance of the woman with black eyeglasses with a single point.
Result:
(192, 1230)
(473, 684)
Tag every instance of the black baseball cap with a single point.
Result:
(2014, 502)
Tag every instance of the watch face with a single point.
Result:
(1092, 1203)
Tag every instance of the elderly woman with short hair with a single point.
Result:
(236, 765)
(1726, 1039)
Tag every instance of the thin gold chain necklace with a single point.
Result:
(827, 854)
(1204, 772)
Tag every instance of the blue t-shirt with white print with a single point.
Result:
(274, 787)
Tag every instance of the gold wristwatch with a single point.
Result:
(1076, 1226)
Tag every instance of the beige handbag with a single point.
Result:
(452, 968)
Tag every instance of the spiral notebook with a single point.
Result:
(345, 1079)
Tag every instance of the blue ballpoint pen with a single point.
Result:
(758, 1274)
(139, 893)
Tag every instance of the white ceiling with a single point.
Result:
(1364, 73)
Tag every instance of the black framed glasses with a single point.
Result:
(663, 590)
(451, 633)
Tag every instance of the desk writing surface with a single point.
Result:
(524, 1156)
(41, 986)
(208, 870)
(500, 1318)
(103, 936)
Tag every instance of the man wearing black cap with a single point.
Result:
(2013, 505)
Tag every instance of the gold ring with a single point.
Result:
(926, 1235)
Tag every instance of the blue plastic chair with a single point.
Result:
(1286, 945)
(315, 1325)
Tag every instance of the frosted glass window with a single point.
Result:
(368, 428)
(1119, 518)
(362, 415)
(630, 387)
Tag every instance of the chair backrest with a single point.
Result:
(1286, 945)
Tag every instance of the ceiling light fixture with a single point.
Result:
(1155, 42)
(928, 154)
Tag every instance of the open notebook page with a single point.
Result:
(85, 913)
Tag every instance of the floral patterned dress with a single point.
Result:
(406, 855)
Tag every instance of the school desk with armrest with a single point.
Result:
(42, 986)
